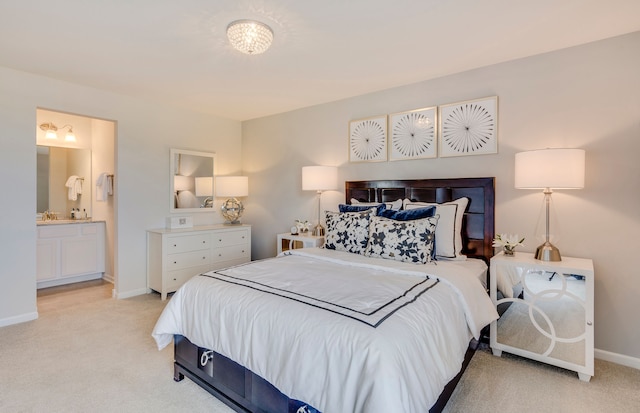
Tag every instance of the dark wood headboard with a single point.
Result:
(478, 225)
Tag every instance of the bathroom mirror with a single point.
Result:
(191, 182)
(55, 165)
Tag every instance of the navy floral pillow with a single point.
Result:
(407, 241)
(348, 231)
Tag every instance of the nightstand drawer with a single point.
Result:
(183, 243)
(187, 259)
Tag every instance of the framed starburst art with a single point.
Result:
(469, 128)
(412, 134)
(368, 139)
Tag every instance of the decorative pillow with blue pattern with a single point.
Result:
(407, 241)
(360, 208)
(409, 215)
(348, 231)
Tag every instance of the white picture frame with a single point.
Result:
(469, 127)
(368, 139)
(413, 134)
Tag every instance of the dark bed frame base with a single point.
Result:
(244, 391)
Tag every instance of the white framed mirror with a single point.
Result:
(191, 183)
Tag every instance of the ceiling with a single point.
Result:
(177, 52)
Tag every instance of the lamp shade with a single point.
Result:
(550, 168)
(232, 186)
(319, 178)
(204, 186)
(182, 183)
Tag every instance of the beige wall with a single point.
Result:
(145, 133)
(584, 97)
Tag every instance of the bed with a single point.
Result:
(402, 345)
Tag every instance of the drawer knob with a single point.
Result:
(204, 258)
(589, 323)
(174, 245)
(175, 262)
(204, 242)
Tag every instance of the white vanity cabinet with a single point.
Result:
(176, 255)
(68, 253)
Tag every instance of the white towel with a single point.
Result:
(104, 186)
(74, 184)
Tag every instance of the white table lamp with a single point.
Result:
(319, 179)
(232, 187)
(549, 169)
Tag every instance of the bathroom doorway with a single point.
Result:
(94, 138)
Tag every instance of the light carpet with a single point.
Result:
(90, 353)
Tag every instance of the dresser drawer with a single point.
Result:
(187, 259)
(183, 243)
(230, 253)
(226, 238)
(175, 279)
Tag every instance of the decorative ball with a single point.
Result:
(232, 210)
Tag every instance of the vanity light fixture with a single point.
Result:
(52, 131)
(249, 36)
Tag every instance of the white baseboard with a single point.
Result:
(22, 318)
(108, 278)
(129, 294)
(617, 358)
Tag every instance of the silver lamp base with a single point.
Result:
(548, 252)
(318, 231)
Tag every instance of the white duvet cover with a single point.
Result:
(339, 331)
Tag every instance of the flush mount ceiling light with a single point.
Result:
(249, 36)
(52, 131)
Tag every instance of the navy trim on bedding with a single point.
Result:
(372, 318)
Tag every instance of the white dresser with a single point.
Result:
(176, 255)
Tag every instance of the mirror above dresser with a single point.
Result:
(191, 183)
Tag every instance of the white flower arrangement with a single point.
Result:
(508, 242)
(303, 226)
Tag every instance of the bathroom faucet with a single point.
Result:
(49, 215)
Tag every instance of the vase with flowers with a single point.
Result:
(508, 242)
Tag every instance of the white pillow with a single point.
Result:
(397, 204)
(449, 229)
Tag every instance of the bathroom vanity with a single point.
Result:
(69, 251)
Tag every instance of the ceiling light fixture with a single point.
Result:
(249, 36)
(52, 131)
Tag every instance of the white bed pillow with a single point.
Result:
(406, 241)
(449, 229)
(397, 204)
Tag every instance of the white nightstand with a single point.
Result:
(552, 319)
(287, 241)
